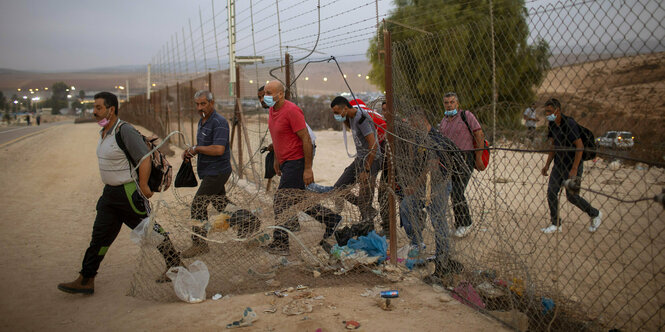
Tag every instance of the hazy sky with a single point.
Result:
(64, 35)
(76, 34)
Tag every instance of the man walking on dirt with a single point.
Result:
(454, 127)
(564, 133)
(213, 166)
(124, 199)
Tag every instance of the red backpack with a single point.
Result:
(379, 121)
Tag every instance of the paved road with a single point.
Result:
(11, 134)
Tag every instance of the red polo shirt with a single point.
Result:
(283, 125)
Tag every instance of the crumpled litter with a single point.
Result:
(297, 307)
(190, 283)
(466, 294)
(373, 244)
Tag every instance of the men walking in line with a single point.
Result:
(454, 126)
(564, 133)
(124, 199)
(213, 166)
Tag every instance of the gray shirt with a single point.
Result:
(361, 126)
(114, 167)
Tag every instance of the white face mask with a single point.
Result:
(551, 117)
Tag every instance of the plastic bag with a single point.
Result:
(185, 176)
(145, 233)
(373, 244)
(190, 283)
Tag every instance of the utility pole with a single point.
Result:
(148, 82)
(231, 15)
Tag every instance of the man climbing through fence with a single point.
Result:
(438, 157)
(367, 161)
(293, 162)
(213, 166)
(124, 199)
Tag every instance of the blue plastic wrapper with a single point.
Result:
(373, 244)
(548, 304)
(317, 188)
(410, 263)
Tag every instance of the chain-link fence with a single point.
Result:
(529, 249)
(602, 61)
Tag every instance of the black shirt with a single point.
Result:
(563, 136)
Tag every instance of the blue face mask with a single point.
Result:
(450, 113)
(339, 118)
(269, 101)
(551, 117)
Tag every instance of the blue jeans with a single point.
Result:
(409, 213)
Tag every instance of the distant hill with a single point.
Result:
(624, 93)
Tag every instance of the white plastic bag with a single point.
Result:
(190, 283)
(145, 234)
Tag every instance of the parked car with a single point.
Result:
(616, 140)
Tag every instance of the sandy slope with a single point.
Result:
(50, 185)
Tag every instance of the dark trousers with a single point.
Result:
(366, 192)
(115, 208)
(212, 190)
(291, 191)
(460, 179)
(560, 173)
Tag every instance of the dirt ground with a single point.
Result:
(50, 185)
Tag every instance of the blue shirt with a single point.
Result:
(215, 131)
(563, 136)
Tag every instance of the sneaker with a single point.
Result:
(595, 222)
(462, 231)
(325, 245)
(281, 249)
(197, 248)
(551, 229)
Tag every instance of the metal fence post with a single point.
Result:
(391, 143)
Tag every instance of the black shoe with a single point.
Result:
(325, 245)
(433, 279)
(450, 266)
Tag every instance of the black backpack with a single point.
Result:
(588, 140)
(161, 173)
